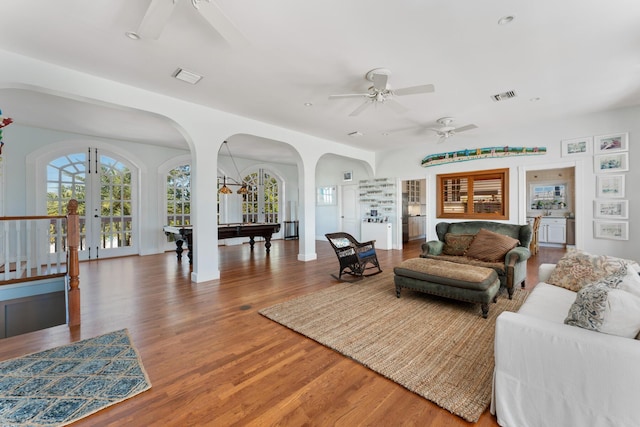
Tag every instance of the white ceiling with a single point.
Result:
(576, 56)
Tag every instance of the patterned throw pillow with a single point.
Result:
(578, 268)
(602, 306)
(456, 244)
(489, 246)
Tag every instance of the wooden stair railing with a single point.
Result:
(73, 269)
(33, 248)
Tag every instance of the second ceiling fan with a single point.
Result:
(380, 92)
(446, 130)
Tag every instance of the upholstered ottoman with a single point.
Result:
(449, 279)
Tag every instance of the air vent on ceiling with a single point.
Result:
(187, 76)
(504, 95)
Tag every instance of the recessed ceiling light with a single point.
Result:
(132, 35)
(187, 76)
(356, 133)
(308, 104)
(506, 19)
(385, 133)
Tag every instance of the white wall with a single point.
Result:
(22, 192)
(406, 162)
(330, 171)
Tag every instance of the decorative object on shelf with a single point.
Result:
(480, 153)
(240, 182)
(613, 162)
(614, 230)
(611, 209)
(4, 122)
(611, 143)
(347, 176)
(577, 147)
(610, 186)
(326, 196)
(377, 195)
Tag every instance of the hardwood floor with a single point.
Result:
(213, 360)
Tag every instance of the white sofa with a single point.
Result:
(551, 374)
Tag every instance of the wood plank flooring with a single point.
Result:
(213, 360)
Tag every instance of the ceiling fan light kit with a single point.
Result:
(381, 93)
(446, 130)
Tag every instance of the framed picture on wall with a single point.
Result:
(611, 143)
(326, 196)
(614, 230)
(611, 162)
(609, 186)
(611, 209)
(577, 147)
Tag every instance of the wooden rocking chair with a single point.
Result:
(355, 257)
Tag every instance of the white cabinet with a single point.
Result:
(414, 190)
(381, 232)
(553, 230)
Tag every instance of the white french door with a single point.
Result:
(104, 186)
(350, 211)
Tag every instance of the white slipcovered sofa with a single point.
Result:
(548, 373)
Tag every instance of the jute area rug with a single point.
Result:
(59, 386)
(438, 348)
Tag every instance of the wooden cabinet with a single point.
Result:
(416, 227)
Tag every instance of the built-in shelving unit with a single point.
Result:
(377, 199)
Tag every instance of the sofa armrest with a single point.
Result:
(516, 255)
(432, 247)
(553, 374)
(544, 272)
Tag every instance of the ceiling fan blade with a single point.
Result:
(467, 127)
(380, 81)
(395, 106)
(155, 18)
(348, 95)
(222, 24)
(361, 108)
(414, 90)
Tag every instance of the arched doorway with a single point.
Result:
(104, 185)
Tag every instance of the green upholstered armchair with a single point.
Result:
(511, 270)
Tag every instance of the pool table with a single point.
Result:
(184, 233)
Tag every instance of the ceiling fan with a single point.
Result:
(446, 130)
(381, 93)
(159, 12)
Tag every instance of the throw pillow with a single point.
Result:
(490, 247)
(631, 281)
(602, 306)
(578, 268)
(456, 244)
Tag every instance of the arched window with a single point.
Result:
(179, 195)
(262, 202)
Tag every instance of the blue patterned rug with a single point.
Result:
(59, 386)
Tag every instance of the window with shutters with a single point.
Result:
(474, 195)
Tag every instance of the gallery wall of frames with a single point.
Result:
(610, 164)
